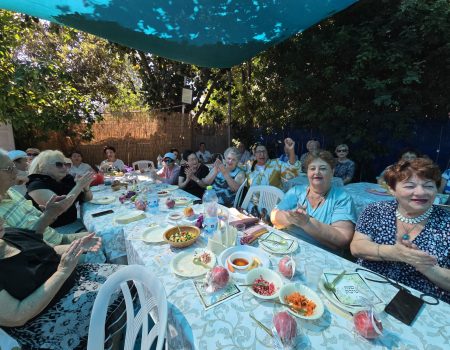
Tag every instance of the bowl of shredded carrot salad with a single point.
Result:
(303, 301)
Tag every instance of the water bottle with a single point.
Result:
(210, 203)
(152, 202)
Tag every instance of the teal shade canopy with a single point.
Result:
(209, 33)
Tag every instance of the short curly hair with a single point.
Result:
(424, 168)
(323, 155)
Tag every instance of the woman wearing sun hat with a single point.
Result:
(20, 160)
(170, 170)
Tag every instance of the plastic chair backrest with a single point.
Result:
(269, 197)
(151, 294)
(143, 164)
(238, 197)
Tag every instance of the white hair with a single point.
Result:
(41, 162)
(232, 150)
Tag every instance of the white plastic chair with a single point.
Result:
(151, 294)
(269, 197)
(143, 164)
(238, 197)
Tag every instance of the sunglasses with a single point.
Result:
(342, 150)
(32, 154)
(9, 169)
(168, 160)
(62, 164)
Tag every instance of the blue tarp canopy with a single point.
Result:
(209, 33)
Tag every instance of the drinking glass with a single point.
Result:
(240, 233)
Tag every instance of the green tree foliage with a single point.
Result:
(58, 79)
(369, 72)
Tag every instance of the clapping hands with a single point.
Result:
(83, 181)
(410, 254)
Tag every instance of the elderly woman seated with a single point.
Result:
(191, 174)
(48, 177)
(408, 239)
(47, 303)
(226, 178)
(318, 213)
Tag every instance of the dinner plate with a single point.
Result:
(251, 251)
(102, 200)
(179, 201)
(352, 292)
(131, 216)
(183, 265)
(286, 244)
(153, 234)
(171, 188)
(163, 193)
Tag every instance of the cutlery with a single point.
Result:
(332, 286)
(265, 328)
(261, 284)
(290, 306)
(198, 261)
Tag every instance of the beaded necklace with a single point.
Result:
(415, 220)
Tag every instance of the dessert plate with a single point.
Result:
(183, 264)
(275, 243)
(103, 200)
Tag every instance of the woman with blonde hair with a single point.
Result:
(48, 177)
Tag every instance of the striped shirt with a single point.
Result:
(20, 212)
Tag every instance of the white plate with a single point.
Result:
(163, 193)
(254, 252)
(290, 245)
(154, 234)
(102, 200)
(183, 265)
(349, 286)
(131, 216)
(180, 201)
(308, 293)
(171, 188)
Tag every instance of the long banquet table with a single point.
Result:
(228, 325)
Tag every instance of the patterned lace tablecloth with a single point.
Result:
(229, 326)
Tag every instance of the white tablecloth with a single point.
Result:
(362, 197)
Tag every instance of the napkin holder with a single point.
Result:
(222, 239)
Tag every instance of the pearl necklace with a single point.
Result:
(415, 220)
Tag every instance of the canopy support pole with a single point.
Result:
(229, 107)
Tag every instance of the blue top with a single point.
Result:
(224, 193)
(378, 221)
(338, 206)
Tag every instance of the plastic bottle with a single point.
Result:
(210, 203)
(152, 202)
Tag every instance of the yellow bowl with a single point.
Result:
(193, 230)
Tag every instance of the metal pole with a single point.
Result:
(229, 107)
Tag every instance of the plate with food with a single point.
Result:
(163, 193)
(263, 283)
(351, 292)
(276, 243)
(131, 216)
(193, 263)
(180, 201)
(171, 188)
(102, 200)
(301, 301)
(245, 258)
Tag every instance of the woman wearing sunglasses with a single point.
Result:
(345, 168)
(408, 239)
(49, 176)
(170, 170)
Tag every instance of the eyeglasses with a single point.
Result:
(32, 154)
(10, 169)
(341, 150)
(168, 160)
(62, 164)
(260, 151)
